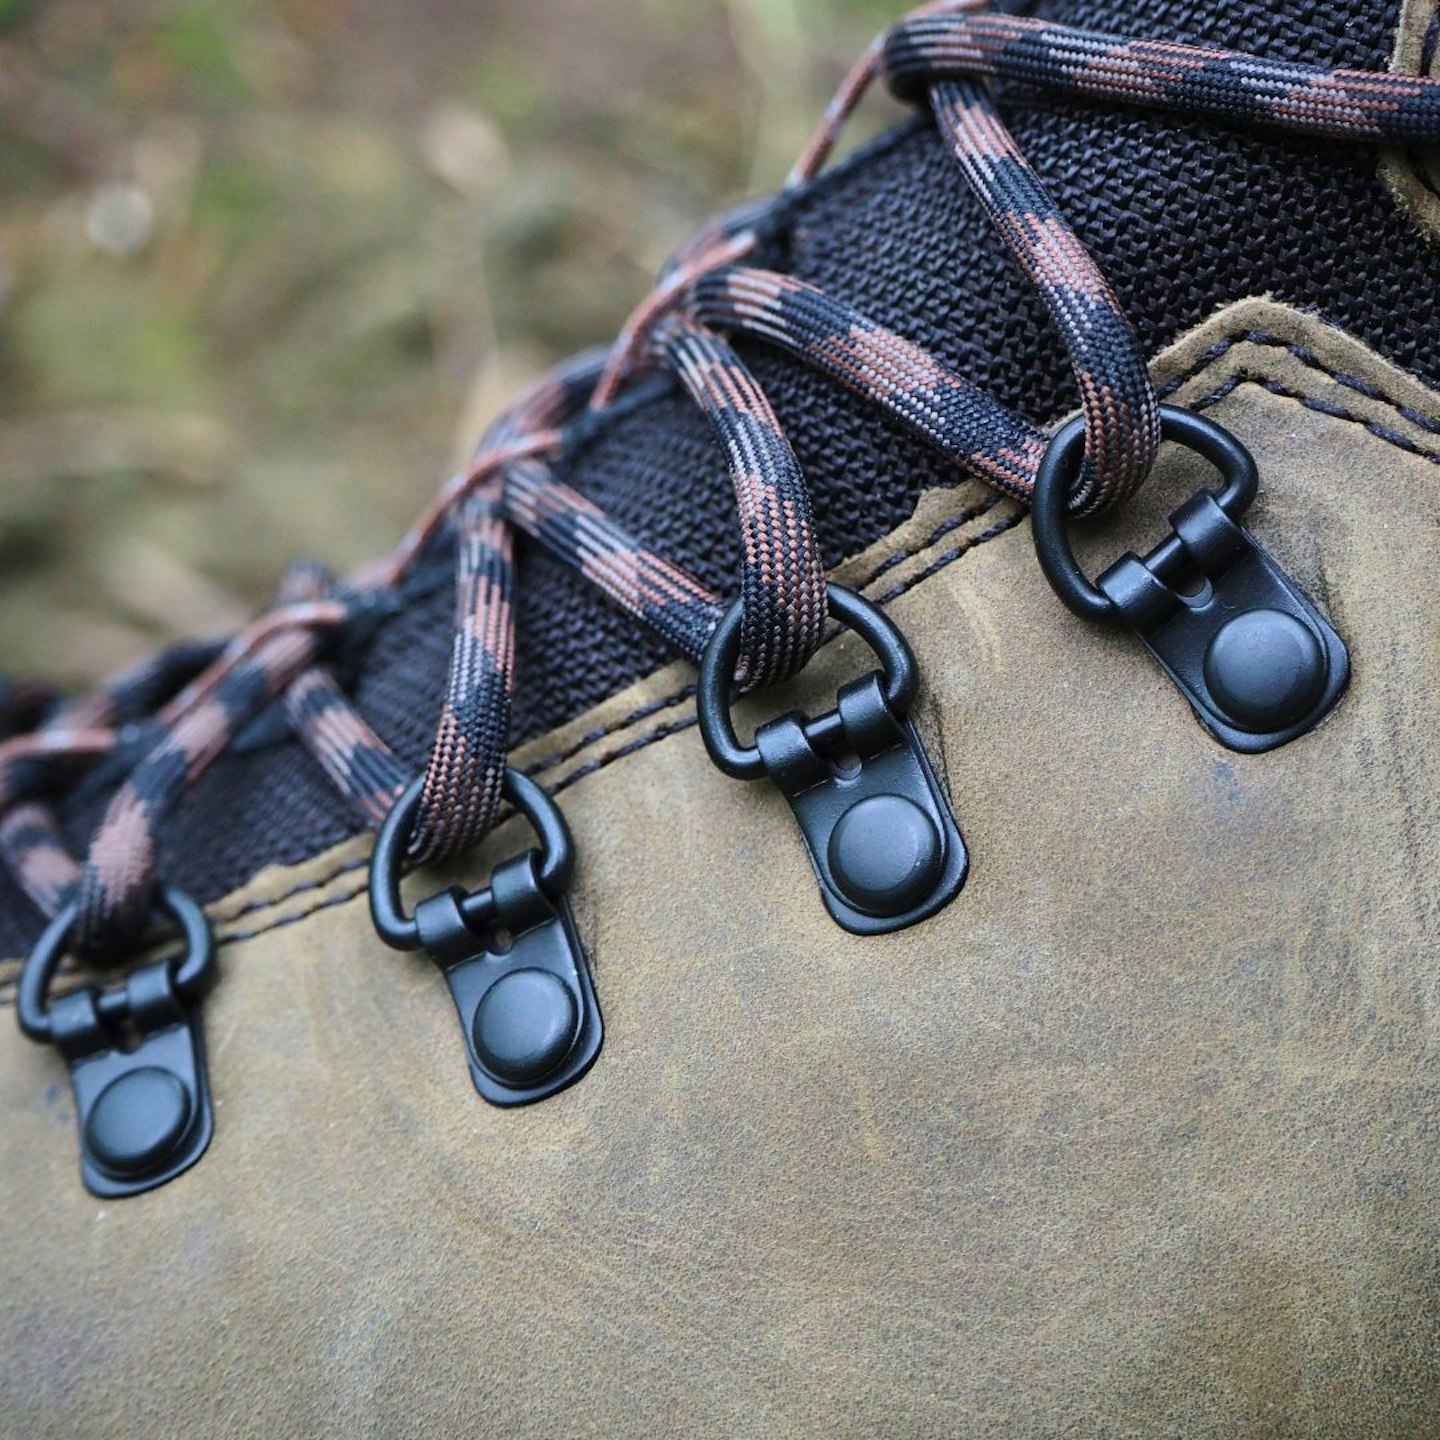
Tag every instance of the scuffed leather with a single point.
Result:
(1140, 1138)
(1414, 177)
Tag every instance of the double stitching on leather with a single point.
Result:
(1249, 325)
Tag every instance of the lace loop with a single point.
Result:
(118, 882)
(461, 796)
(783, 575)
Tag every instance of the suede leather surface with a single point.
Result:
(1139, 1138)
(1415, 177)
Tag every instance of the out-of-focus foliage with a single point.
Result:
(266, 267)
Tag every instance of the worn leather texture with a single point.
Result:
(1139, 1138)
(1414, 176)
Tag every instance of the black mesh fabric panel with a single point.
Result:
(1184, 217)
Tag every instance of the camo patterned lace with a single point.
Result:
(162, 726)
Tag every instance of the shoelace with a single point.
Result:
(165, 723)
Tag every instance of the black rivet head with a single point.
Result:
(885, 854)
(1265, 669)
(138, 1120)
(525, 1026)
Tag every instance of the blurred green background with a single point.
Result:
(266, 266)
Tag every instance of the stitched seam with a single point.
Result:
(1303, 354)
(1307, 357)
(328, 903)
(639, 742)
(654, 707)
(1208, 358)
(945, 527)
(688, 722)
(1312, 361)
(275, 901)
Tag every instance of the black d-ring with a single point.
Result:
(190, 980)
(136, 1053)
(900, 681)
(1259, 664)
(396, 927)
(874, 817)
(510, 953)
(1060, 469)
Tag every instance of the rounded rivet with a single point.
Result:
(525, 1026)
(885, 854)
(138, 1120)
(1265, 669)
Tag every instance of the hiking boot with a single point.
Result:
(912, 971)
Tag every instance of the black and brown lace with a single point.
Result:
(169, 720)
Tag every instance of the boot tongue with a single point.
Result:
(1358, 33)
